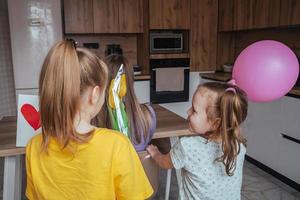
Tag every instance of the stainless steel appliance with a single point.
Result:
(166, 42)
(35, 26)
(169, 80)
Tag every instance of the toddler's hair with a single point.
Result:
(66, 73)
(227, 111)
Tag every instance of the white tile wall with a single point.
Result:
(7, 91)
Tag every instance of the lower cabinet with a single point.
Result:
(262, 131)
(289, 150)
(263, 128)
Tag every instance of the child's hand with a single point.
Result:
(153, 150)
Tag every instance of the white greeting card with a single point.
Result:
(28, 122)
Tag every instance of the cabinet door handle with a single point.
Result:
(290, 138)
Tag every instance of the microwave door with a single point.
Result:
(165, 43)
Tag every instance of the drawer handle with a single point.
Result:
(290, 138)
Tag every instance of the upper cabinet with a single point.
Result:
(203, 42)
(225, 15)
(250, 14)
(103, 16)
(78, 16)
(290, 12)
(255, 14)
(169, 14)
(131, 16)
(118, 16)
(106, 16)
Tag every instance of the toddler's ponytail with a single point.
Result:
(233, 111)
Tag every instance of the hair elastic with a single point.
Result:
(73, 42)
(231, 89)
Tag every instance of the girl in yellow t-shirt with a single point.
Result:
(71, 159)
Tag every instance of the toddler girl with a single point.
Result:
(211, 160)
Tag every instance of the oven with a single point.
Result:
(169, 80)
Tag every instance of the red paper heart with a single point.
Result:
(31, 115)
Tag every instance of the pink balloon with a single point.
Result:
(266, 70)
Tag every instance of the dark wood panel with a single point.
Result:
(203, 42)
(225, 15)
(106, 16)
(290, 12)
(230, 44)
(155, 14)
(226, 49)
(243, 14)
(287, 36)
(169, 14)
(78, 16)
(176, 14)
(266, 13)
(128, 43)
(274, 13)
(143, 41)
(131, 16)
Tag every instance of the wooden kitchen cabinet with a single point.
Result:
(131, 16)
(118, 16)
(103, 16)
(78, 16)
(253, 14)
(169, 14)
(106, 16)
(243, 14)
(266, 13)
(225, 15)
(290, 12)
(203, 41)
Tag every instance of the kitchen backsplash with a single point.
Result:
(7, 91)
(98, 44)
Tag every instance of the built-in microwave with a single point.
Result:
(165, 42)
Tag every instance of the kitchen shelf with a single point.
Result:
(169, 56)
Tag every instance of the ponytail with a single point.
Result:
(60, 86)
(231, 111)
(230, 107)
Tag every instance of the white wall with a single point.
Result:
(7, 94)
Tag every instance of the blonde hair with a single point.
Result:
(139, 116)
(230, 107)
(66, 73)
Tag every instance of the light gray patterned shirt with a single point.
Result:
(202, 177)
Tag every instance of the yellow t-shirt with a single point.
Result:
(107, 167)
